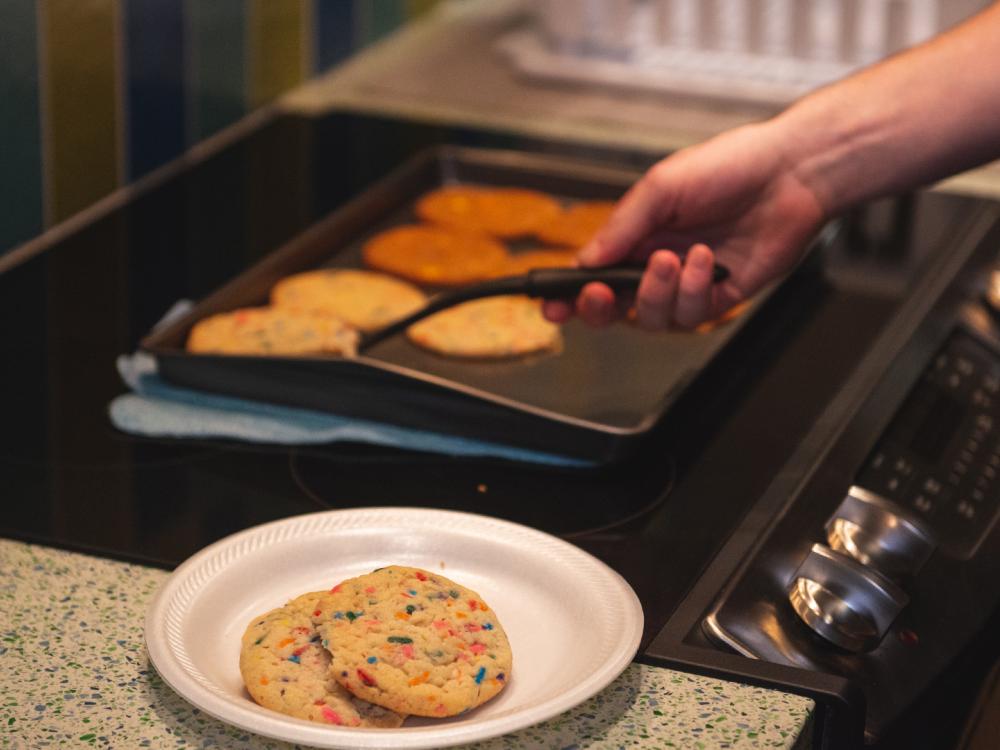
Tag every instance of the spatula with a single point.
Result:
(548, 283)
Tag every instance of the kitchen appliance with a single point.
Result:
(711, 519)
(878, 561)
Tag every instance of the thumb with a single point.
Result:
(636, 216)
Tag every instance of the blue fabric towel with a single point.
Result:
(156, 408)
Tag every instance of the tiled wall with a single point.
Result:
(97, 93)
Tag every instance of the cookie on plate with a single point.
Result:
(542, 258)
(501, 212)
(577, 224)
(441, 256)
(286, 668)
(267, 330)
(415, 642)
(490, 328)
(364, 299)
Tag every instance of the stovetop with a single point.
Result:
(658, 518)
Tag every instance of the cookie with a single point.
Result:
(500, 212)
(415, 642)
(435, 255)
(551, 258)
(287, 669)
(490, 328)
(365, 300)
(576, 225)
(266, 330)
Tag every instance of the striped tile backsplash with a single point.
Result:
(98, 93)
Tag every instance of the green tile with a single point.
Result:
(81, 51)
(415, 8)
(276, 51)
(379, 17)
(217, 60)
(20, 129)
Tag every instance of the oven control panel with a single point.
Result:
(877, 560)
(940, 456)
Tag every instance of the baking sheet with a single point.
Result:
(594, 399)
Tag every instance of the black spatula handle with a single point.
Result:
(555, 283)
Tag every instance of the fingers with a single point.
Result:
(557, 310)
(695, 288)
(670, 294)
(654, 302)
(674, 294)
(596, 304)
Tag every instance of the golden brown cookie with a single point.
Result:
(364, 299)
(267, 330)
(441, 256)
(577, 224)
(530, 259)
(415, 642)
(286, 668)
(501, 212)
(490, 328)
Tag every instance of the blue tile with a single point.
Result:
(154, 31)
(20, 128)
(335, 31)
(217, 48)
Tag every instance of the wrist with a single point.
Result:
(833, 145)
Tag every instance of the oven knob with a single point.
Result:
(843, 601)
(878, 534)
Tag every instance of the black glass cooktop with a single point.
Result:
(70, 479)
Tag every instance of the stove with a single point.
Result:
(736, 510)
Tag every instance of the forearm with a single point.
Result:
(913, 119)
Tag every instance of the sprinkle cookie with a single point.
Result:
(490, 328)
(500, 212)
(415, 642)
(286, 668)
(436, 255)
(265, 330)
(364, 299)
(577, 224)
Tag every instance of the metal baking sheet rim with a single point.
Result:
(579, 437)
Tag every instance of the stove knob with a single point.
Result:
(878, 534)
(843, 601)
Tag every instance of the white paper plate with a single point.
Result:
(573, 623)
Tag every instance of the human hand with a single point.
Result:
(735, 199)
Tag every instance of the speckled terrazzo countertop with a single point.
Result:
(74, 672)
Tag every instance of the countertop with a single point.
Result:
(75, 672)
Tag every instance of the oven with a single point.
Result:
(866, 570)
